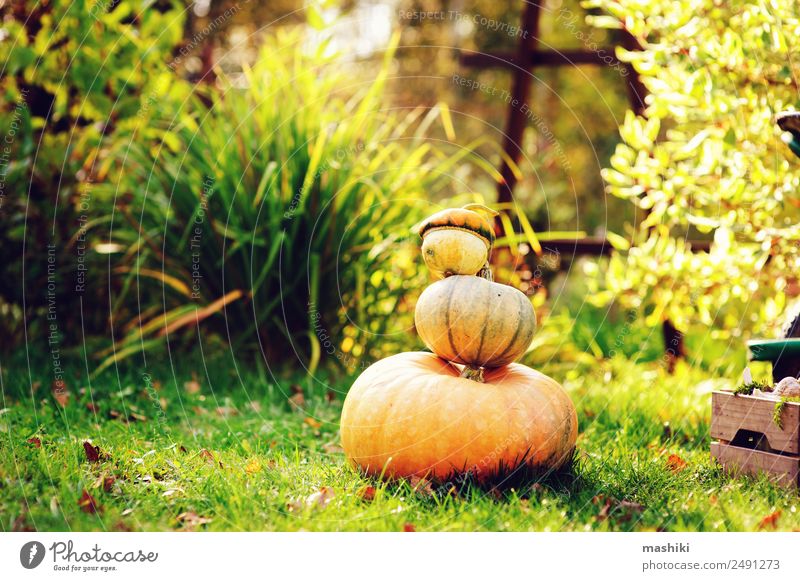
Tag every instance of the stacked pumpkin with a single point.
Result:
(466, 407)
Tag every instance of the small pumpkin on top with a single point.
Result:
(457, 240)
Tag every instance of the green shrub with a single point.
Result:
(708, 159)
(277, 210)
(73, 72)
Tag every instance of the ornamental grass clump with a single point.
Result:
(266, 210)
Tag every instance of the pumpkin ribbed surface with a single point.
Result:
(411, 414)
(470, 320)
(459, 218)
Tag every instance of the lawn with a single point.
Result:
(232, 450)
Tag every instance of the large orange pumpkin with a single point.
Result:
(470, 320)
(412, 414)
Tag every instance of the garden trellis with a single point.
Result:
(527, 58)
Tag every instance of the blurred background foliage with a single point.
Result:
(707, 158)
(247, 173)
(73, 74)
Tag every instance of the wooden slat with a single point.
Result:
(539, 58)
(599, 246)
(731, 413)
(783, 469)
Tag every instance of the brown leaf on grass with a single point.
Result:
(252, 467)
(226, 411)
(330, 396)
(524, 505)
(297, 402)
(108, 483)
(35, 442)
(121, 527)
(495, 493)
(332, 448)
(209, 457)
(409, 528)
(421, 486)
(676, 463)
(183, 449)
(134, 417)
(190, 520)
(321, 498)
(88, 504)
(20, 524)
(770, 521)
(192, 387)
(312, 422)
(92, 407)
(620, 510)
(114, 415)
(60, 392)
(93, 453)
(367, 493)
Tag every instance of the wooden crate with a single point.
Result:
(750, 442)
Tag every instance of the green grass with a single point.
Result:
(237, 455)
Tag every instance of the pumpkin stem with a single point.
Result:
(473, 373)
(486, 272)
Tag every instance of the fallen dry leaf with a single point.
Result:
(312, 422)
(93, 453)
(297, 402)
(676, 463)
(421, 486)
(60, 392)
(92, 407)
(210, 458)
(252, 467)
(192, 387)
(331, 448)
(770, 521)
(121, 527)
(108, 483)
(134, 417)
(321, 498)
(226, 412)
(35, 442)
(20, 524)
(621, 511)
(88, 503)
(190, 519)
(367, 493)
